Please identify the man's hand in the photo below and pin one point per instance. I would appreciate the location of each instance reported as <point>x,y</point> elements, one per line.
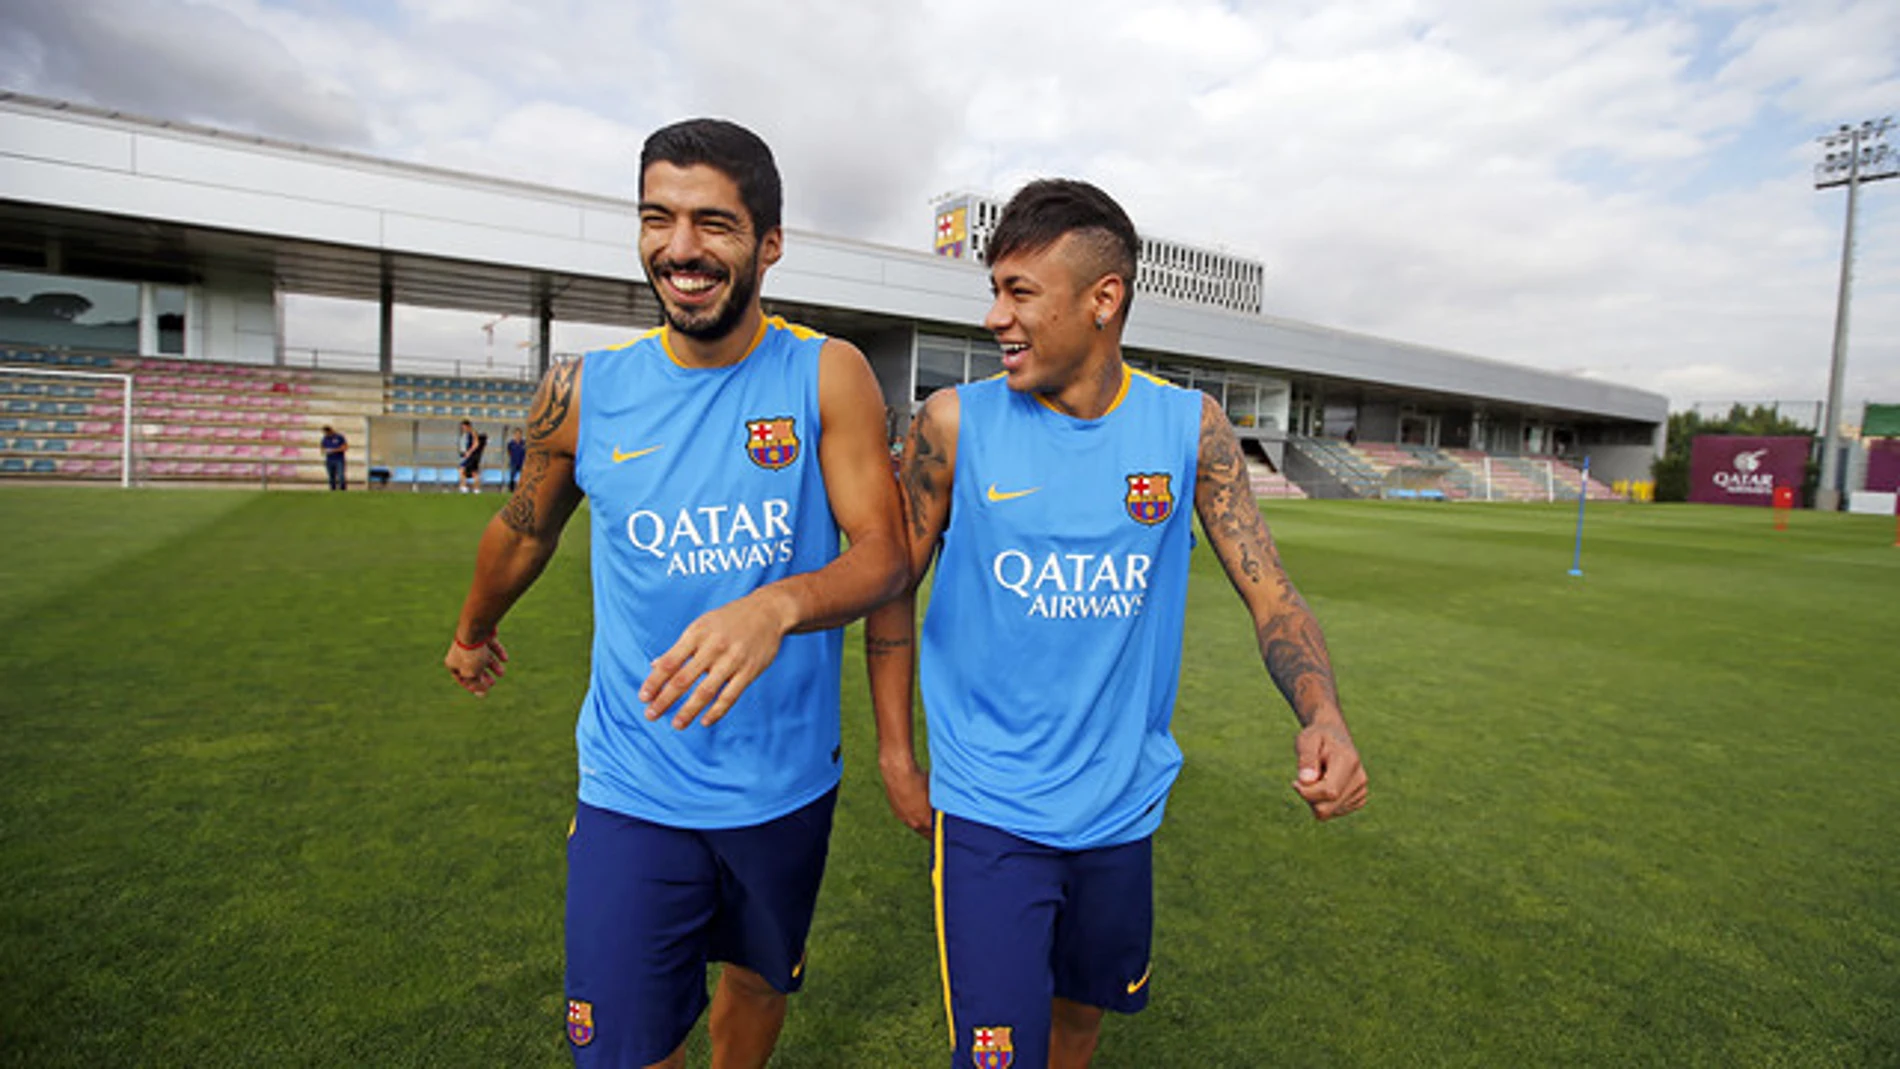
<point>907,788</point>
<point>1331,778</point>
<point>717,657</point>
<point>476,669</point>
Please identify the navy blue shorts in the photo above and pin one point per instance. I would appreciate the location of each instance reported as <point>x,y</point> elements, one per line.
<point>1020,923</point>
<point>649,905</point>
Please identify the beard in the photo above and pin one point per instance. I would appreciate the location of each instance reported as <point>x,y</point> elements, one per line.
<point>710,324</point>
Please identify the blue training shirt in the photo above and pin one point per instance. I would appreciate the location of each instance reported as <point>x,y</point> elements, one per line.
<point>704,485</point>
<point>1052,644</point>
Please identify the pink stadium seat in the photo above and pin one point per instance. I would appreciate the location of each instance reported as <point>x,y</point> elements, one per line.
<point>105,467</point>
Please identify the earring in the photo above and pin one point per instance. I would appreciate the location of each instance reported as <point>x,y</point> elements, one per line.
<point>1100,322</point>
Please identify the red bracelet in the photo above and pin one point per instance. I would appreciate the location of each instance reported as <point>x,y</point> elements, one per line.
<point>460,645</point>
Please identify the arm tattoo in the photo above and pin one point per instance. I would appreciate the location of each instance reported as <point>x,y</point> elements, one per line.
<point>1225,495</point>
<point>1290,641</point>
<point>555,400</point>
<point>925,471</point>
<point>520,514</point>
<point>553,404</point>
<point>1295,653</point>
<point>879,647</point>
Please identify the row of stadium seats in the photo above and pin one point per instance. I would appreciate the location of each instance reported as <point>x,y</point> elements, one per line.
<point>10,387</point>
<point>417,478</point>
<point>401,409</point>
<point>57,358</point>
<point>516,386</point>
<point>478,397</point>
<point>17,407</point>
<point>17,466</point>
<point>45,426</point>
<point>236,383</point>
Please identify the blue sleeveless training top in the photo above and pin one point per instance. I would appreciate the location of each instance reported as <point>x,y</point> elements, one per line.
<point>1052,644</point>
<point>704,485</point>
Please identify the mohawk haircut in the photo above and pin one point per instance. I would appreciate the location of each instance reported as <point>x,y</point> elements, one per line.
<point>1042,212</point>
<point>728,148</point>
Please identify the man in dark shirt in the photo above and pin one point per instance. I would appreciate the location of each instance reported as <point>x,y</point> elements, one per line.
<point>517,454</point>
<point>334,446</point>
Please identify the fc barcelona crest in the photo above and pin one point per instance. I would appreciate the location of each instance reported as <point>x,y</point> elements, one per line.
<point>580,1022</point>
<point>990,1048</point>
<point>1148,498</point>
<point>771,443</point>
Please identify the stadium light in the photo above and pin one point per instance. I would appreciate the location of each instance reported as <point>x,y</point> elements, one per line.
<point>1850,156</point>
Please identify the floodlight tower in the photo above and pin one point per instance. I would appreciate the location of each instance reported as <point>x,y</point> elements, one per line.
<point>1851,155</point>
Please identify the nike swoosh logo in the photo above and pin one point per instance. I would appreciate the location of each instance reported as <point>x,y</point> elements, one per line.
<point>619,456</point>
<point>1011,495</point>
<point>1143,982</point>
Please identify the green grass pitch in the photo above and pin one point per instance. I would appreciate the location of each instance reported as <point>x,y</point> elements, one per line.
<point>1642,817</point>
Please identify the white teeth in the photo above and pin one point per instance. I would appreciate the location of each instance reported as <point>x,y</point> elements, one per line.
<point>691,283</point>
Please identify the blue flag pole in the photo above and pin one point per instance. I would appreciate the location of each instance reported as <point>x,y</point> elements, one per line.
<point>1583,494</point>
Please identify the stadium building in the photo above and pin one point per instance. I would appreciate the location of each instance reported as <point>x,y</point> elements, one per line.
<point>144,263</point>
<point>1170,270</point>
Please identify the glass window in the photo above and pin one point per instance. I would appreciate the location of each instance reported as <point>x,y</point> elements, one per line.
<point>939,364</point>
<point>168,304</point>
<point>1240,404</point>
<point>986,360</point>
<point>59,311</point>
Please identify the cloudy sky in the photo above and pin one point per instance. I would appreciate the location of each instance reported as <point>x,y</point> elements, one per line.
<point>1615,189</point>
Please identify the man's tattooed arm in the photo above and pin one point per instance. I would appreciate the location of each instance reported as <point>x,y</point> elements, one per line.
<point>550,452</point>
<point>1290,640</point>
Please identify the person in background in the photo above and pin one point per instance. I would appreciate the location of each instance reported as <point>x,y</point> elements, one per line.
<point>468,448</point>
<point>517,454</point>
<point>334,447</point>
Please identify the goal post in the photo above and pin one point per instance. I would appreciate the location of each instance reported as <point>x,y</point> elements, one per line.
<point>124,379</point>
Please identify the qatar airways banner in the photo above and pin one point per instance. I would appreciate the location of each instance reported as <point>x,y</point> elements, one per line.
<point>1883,465</point>
<point>1743,470</point>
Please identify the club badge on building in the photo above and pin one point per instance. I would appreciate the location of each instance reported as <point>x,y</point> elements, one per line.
<point>580,1022</point>
<point>771,443</point>
<point>990,1048</point>
<point>1148,498</point>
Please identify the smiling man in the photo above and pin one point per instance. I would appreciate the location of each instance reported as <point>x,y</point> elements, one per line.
<point>1052,645</point>
<point>723,454</point>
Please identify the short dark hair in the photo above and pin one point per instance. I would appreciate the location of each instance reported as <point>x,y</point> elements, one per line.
<point>728,148</point>
<point>1044,210</point>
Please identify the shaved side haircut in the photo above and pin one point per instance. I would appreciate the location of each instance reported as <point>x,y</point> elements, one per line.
<point>1044,211</point>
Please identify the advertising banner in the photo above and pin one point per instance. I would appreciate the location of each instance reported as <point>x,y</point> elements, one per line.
<point>1883,465</point>
<point>1743,469</point>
